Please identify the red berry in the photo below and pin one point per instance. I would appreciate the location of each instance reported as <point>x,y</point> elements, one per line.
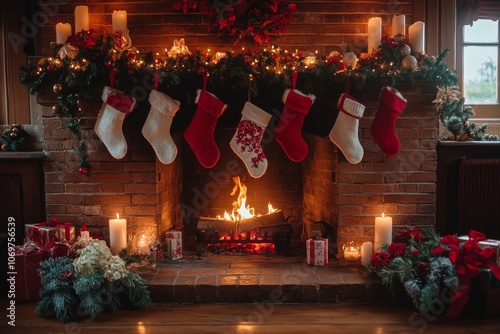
<point>83,170</point>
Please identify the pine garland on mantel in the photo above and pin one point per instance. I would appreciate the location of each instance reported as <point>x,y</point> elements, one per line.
<point>86,60</point>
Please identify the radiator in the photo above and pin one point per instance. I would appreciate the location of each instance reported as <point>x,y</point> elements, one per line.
<point>479,197</point>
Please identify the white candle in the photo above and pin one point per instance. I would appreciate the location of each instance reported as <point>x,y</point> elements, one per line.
<point>398,25</point>
<point>119,20</point>
<point>81,18</point>
<point>117,234</point>
<point>366,253</point>
<point>383,232</point>
<point>374,34</point>
<point>63,31</point>
<point>416,34</point>
<point>142,247</point>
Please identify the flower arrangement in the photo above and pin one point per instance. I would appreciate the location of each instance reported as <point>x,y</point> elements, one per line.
<point>433,270</point>
<point>239,18</point>
<point>93,282</point>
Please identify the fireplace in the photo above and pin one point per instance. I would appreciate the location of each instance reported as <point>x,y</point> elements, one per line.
<point>324,190</point>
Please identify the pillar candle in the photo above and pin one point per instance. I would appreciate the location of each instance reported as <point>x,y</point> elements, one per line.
<point>416,34</point>
<point>117,234</point>
<point>119,20</point>
<point>398,25</point>
<point>63,31</point>
<point>366,253</point>
<point>81,18</point>
<point>383,232</point>
<point>374,34</point>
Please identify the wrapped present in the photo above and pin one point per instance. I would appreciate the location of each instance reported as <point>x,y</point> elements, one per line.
<point>487,243</point>
<point>174,234</point>
<point>484,296</point>
<point>57,249</point>
<point>174,245</point>
<point>27,280</point>
<point>317,251</point>
<point>43,233</point>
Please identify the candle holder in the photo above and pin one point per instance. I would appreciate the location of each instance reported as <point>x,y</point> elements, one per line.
<point>352,251</point>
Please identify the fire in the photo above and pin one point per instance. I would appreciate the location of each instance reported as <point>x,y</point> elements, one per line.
<point>241,210</point>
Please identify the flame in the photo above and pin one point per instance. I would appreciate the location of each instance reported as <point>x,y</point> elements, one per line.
<point>241,210</point>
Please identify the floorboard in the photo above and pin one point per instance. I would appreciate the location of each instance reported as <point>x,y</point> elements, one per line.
<point>258,318</point>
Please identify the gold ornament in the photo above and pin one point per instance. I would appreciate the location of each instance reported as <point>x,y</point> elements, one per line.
<point>57,88</point>
<point>405,50</point>
<point>472,135</point>
<point>350,60</point>
<point>68,50</point>
<point>55,109</point>
<point>466,124</point>
<point>5,147</point>
<point>179,48</point>
<point>409,63</point>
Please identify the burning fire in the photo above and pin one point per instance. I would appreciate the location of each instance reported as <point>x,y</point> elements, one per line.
<point>240,210</point>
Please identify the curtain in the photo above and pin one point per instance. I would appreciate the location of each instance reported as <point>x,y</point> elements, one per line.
<point>471,10</point>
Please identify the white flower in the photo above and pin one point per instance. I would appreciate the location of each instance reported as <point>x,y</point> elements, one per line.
<point>115,269</point>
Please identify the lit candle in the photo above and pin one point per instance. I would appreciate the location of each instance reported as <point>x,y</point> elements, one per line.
<point>81,18</point>
<point>351,252</point>
<point>142,247</point>
<point>117,234</point>
<point>366,253</point>
<point>398,25</point>
<point>416,34</point>
<point>383,231</point>
<point>119,20</point>
<point>63,31</point>
<point>374,34</point>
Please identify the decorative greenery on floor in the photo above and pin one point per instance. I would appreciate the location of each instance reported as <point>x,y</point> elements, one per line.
<point>91,283</point>
<point>434,271</point>
<point>89,61</point>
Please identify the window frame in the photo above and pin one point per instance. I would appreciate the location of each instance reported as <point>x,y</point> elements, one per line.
<point>485,112</point>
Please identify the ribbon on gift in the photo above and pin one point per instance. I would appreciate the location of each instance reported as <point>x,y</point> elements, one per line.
<point>468,259</point>
<point>52,223</point>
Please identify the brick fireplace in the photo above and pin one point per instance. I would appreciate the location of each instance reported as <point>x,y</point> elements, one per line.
<point>323,188</point>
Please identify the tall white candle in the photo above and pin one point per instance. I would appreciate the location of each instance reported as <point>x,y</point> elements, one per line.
<point>117,234</point>
<point>383,232</point>
<point>366,253</point>
<point>119,20</point>
<point>416,34</point>
<point>398,25</point>
<point>374,34</point>
<point>81,18</point>
<point>63,31</point>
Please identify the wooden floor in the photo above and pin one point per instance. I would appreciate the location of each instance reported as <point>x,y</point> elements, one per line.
<point>253,318</point>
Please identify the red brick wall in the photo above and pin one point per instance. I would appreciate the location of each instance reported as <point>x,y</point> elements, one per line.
<point>148,193</point>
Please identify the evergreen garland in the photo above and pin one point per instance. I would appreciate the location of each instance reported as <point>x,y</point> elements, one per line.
<point>81,67</point>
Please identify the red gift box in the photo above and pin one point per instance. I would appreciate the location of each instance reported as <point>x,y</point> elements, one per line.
<point>43,233</point>
<point>27,280</point>
<point>317,251</point>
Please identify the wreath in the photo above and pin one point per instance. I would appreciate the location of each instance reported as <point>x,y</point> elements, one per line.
<point>239,18</point>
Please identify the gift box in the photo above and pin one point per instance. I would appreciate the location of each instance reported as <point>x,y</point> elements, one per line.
<point>43,233</point>
<point>27,281</point>
<point>487,243</point>
<point>174,245</point>
<point>484,296</point>
<point>317,251</point>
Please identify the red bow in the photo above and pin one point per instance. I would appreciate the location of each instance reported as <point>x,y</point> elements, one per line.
<point>467,259</point>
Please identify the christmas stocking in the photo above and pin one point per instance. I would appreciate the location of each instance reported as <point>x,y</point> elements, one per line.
<point>246,142</point>
<point>288,132</point>
<point>108,126</point>
<point>156,129</point>
<point>391,106</point>
<point>344,133</point>
<point>200,133</point>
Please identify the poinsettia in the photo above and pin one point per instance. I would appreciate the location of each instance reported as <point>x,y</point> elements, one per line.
<point>257,18</point>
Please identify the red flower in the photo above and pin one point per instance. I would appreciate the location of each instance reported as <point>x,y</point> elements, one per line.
<point>396,249</point>
<point>405,235</point>
<point>415,252</point>
<point>380,259</point>
<point>82,39</point>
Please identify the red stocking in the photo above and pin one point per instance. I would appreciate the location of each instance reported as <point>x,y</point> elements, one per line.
<point>288,132</point>
<point>391,106</point>
<point>200,133</point>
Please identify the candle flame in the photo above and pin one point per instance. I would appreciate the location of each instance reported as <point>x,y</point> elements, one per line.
<point>117,216</point>
<point>382,215</point>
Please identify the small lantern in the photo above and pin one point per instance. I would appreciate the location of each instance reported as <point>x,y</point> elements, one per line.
<point>350,60</point>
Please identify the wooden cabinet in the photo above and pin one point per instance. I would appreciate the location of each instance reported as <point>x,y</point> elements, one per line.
<point>21,184</point>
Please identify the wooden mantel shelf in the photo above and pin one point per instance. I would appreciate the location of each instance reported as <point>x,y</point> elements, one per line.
<point>21,155</point>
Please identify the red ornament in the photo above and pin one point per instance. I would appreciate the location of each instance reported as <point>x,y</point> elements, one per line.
<point>50,67</point>
<point>130,72</point>
<point>83,170</point>
<point>107,64</point>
